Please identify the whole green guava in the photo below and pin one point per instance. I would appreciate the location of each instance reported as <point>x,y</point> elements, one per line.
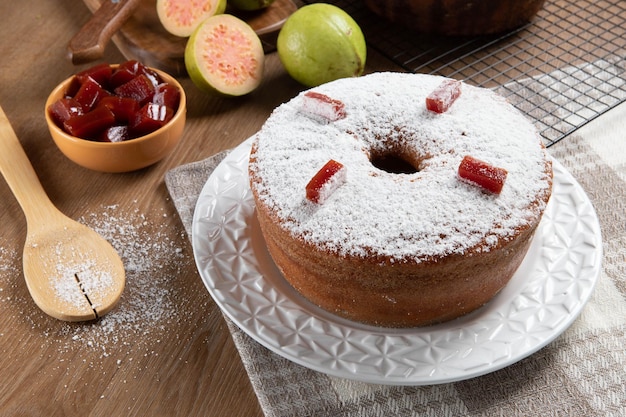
<point>320,43</point>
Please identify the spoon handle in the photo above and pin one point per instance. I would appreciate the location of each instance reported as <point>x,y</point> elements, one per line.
<point>21,177</point>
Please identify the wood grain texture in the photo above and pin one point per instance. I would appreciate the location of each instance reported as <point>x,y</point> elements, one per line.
<point>144,38</point>
<point>190,366</point>
<point>177,358</point>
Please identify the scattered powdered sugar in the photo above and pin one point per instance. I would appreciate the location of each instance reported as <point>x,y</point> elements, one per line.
<point>9,268</point>
<point>7,256</point>
<point>153,256</point>
<point>401,216</point>
<point>150,259</point>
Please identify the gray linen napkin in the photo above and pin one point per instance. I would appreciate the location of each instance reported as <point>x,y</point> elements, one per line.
<point>582,373</point>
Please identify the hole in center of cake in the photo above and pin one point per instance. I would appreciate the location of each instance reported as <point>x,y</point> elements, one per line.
<point>394,163</point>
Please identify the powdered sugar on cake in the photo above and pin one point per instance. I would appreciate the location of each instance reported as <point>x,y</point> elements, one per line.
<point>401,216</point>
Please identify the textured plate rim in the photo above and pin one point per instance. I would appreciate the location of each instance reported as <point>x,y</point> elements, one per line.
<point>243,281</point>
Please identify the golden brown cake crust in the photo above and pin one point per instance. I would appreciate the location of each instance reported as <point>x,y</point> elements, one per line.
<point>457,17</point>
<point>392,294</point>
<point>370,283</point>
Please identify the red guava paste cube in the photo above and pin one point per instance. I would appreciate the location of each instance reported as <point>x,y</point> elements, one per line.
<point>90,125</point>
<point>128,70</point>
<point>115,134</point>
<point>90,93</point>
<point>332,175</point>
<point>150,118</point>
<point>442,97</point>
<point>64,109</point>
<point>483,174</point>
<point>167,95</point>
<point>139,88</point>
<point>100,73</point>
<point>73,87</point>
<point>320,105</point>
<point>125,72</point>
<point>123,108</point>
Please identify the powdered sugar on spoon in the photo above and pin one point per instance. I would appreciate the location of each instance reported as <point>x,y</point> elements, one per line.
<point>72,273</point>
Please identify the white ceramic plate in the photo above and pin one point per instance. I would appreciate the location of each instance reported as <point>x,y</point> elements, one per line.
<point>543,298</point>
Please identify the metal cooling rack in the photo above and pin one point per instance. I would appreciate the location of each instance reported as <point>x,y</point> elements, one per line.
<point>564,69</point>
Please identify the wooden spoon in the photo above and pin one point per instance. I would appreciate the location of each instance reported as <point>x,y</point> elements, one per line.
<point>72,273</point>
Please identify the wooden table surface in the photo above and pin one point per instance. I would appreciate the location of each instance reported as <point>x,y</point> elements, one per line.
<point>166,349</point>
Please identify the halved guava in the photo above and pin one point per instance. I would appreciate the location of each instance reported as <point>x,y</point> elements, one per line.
<point>224,55</point>
<point>182,17</point>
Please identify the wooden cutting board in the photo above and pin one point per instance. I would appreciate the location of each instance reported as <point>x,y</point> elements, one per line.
<point>142,37</point>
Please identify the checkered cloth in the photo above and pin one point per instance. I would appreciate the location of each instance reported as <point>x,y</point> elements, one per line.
<point>581,373</point>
